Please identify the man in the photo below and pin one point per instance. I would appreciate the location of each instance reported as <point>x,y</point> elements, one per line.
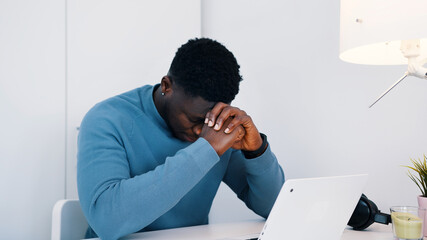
<point>154,157</point>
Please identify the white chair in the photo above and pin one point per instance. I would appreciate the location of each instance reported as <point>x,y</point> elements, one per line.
<point>68,221</point>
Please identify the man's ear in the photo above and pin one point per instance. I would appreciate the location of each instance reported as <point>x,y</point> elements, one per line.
<point>166,85</point>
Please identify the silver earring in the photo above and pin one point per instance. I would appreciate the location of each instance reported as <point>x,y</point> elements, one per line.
<point>163,93</point>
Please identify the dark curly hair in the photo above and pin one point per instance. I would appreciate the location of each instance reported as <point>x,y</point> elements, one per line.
<point>204,67</point>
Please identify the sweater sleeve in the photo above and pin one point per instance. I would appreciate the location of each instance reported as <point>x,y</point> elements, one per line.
<point>116,204</point>
<point>256,181</point>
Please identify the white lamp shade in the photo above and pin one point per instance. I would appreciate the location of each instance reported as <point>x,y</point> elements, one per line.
<point>371,30</point>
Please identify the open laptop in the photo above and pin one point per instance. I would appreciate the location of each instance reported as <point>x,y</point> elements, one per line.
<point>313,208</point>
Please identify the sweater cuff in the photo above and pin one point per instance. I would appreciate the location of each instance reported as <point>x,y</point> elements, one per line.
<point>261,164</point>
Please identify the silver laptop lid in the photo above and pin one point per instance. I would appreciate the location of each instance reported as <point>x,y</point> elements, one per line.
<point>314,208</point>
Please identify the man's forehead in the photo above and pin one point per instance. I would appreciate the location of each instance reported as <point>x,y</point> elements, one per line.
<point>198,106</point>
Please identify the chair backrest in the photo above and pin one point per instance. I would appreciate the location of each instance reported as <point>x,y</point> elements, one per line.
<point>68,221</point>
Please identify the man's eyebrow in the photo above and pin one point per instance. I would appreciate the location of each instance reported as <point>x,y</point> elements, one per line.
<point>195,117</point>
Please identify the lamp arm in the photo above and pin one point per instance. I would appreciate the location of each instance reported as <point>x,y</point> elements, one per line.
<point>411,50</point>
<point>416,68</point>
<point>390,88</point>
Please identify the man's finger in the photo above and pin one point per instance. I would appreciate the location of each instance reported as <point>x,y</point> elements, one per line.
<point>226,113</point>
<point>212,114</point>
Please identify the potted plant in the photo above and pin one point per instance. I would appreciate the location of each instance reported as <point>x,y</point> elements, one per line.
<point>420,178</point>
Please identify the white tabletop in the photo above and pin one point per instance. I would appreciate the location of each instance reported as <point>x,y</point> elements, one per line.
<point>250,228</point>
<point>375,231</point>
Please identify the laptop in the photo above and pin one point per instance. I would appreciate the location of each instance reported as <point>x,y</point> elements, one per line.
<point>313,208</point>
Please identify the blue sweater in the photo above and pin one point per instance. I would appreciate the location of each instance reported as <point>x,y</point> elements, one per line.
<point>133,175</point>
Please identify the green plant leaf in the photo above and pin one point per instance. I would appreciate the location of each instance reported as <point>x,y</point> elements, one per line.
<point>419,177</point>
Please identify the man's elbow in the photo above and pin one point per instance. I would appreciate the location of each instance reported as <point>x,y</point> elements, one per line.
<point>106,227</point>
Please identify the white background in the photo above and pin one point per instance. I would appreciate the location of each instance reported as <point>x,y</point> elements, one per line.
<point>32,116</point>
<point>312,106</point>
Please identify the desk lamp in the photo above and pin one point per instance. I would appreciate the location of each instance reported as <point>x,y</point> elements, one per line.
<point>385,32</point>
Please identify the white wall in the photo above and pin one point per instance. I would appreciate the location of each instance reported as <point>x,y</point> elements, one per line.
<point>313,106</point>
<point>32,116</point>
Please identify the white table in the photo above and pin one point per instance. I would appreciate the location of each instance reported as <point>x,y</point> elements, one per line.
<point>249,228</point>
<point>375,231</point>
